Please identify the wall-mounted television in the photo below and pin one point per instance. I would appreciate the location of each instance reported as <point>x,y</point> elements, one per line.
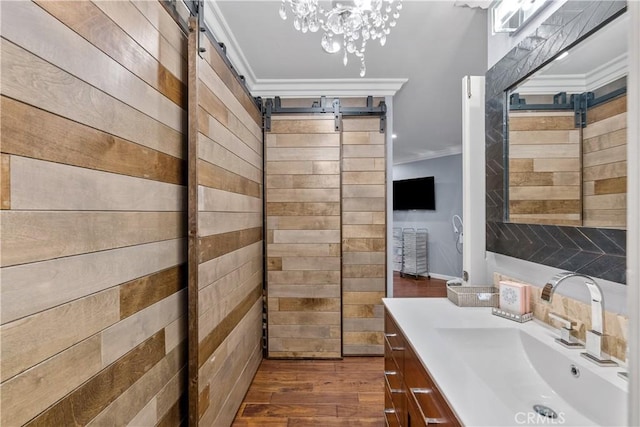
<point>417,193</point>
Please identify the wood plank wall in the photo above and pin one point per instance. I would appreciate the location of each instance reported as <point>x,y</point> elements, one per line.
<point>363,235</point>
<point>303,237</point>
<point>93,223</point>
<point>544,168</point>
<point>605,165</point>
<point>227,292</point>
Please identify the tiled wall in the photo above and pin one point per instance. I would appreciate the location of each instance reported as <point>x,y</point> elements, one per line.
<point>93,199</point>
<point>615,325</point>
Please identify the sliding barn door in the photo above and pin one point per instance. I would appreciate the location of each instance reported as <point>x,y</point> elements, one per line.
<point>225,237</point>
<point>92,193</point>
<point>604,162</point>
<point>544,168</point>
<point>303,237</point>
<point>363,235</point>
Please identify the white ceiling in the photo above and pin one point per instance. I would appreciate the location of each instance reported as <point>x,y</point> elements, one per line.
<point>434,45</point>
<point>596,61</point>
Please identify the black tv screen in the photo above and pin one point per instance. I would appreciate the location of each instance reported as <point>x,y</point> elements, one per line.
<point>417,193</point>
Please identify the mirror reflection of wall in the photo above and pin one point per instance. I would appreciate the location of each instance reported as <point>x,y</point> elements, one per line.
<point>567,137</point>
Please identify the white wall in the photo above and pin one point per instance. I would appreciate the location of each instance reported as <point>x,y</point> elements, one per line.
<point>389,101</point>
<point>473,177</point>
<point>633,214</point>
<point>444,259</point>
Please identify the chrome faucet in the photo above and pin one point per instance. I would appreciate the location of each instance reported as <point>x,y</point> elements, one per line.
<point>594,336</point>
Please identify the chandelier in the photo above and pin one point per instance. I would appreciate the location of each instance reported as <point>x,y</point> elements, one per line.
<point>354,22</point>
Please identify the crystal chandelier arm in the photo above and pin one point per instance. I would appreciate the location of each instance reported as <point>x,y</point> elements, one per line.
<point>356,22</point>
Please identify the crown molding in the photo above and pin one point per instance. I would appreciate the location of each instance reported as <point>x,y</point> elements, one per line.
<point>291,88</point>
<point>306,88</point>
<point>552,84</point>
<point>577,83</point>
<point>220,29</point>
<point>608,72</point>
<point>450,151</point>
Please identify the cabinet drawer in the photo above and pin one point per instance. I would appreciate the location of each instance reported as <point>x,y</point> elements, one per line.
<point>392,413</point>
<point>395,344</point>
<point>426,404</point>
<point>393,380</point>
<point>391,418</point>
<point>396,396</point>
<point>393,357</point>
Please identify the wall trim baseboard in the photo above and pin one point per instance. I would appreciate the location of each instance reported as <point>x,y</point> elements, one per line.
<point>434,275</point>
<point>440,276</point>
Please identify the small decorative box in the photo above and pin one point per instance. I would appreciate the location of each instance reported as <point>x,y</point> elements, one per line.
<point>515,297</point>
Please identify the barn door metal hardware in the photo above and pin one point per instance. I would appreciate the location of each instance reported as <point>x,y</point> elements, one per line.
<point>204,33</point>
<point>322,106</point>
<point>559,103</point>
<point>579,103</point>
<point>588,100</point>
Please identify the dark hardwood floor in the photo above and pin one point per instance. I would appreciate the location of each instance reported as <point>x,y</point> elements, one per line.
<point>408,286</point>
<point>325,393</point>
<point>318,393</point>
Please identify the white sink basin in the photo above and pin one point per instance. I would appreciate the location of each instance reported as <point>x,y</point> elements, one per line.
<point>522,371</point>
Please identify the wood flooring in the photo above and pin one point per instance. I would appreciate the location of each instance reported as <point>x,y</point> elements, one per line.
<point>327,393</point>
<point>404,287</point>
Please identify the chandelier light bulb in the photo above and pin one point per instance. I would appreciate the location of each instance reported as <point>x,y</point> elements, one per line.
<point>354,22</point>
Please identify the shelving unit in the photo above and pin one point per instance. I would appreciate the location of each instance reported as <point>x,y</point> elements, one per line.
<point>397,249</point>
<point>415,259</point>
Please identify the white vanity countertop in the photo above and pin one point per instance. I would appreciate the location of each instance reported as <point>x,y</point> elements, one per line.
<point>472,399</point>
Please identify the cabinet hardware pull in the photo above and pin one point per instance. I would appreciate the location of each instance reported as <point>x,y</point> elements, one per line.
<point>392,347</point>
<point>390,373</point>
<point>427,419</point>
<point>391,389</point>
<point>389,411</point>
<point>390,335</point>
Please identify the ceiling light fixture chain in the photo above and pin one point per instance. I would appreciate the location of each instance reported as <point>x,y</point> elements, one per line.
<point>356,21</point>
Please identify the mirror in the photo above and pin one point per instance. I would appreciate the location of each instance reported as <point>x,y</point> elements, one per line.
<point>567,136</point>
<point>597,251</point>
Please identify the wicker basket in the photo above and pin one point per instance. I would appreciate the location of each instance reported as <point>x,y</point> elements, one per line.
<point>474,296</point>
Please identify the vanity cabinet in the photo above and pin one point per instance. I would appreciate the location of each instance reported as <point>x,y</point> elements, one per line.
<point>411,396</point>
